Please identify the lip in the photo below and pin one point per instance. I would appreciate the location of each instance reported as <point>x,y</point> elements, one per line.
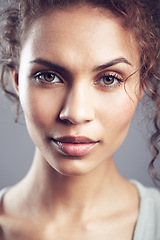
<point>74,146</point>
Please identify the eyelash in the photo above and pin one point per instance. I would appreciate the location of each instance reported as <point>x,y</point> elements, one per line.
<point>40,78</point>
<point>110,77</point>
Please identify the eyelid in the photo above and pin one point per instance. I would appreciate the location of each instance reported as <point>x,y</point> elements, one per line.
<point>43,72</point>
<point>114,72</point>
<point>120,79</point>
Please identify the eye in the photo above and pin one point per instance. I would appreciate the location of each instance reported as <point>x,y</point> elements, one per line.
<point>47,77</point>
<point>110,80</point>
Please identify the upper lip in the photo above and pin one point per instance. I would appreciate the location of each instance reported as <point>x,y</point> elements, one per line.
<point>74,140</point>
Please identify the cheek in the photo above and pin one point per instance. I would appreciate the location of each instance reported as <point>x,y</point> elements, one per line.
<point>124,111</point>
<point>116,115</point>
<point>41,106</point>
<point>123,116</point>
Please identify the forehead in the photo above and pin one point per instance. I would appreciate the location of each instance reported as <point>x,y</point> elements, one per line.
<point>83,31</point>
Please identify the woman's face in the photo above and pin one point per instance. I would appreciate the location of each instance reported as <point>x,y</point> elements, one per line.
<point>71,86</point>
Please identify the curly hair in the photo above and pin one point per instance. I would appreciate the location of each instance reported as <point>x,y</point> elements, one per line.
<point>140,16</point>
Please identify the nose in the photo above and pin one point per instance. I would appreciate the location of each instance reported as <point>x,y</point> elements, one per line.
<point>78,106</point>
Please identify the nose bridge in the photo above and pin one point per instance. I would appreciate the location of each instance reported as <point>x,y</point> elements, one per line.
<point>78,105</point>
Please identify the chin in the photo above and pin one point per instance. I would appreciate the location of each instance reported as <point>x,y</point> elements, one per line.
<point>72,168</point>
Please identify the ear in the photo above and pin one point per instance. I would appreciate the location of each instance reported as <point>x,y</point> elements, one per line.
<point>15,80</point>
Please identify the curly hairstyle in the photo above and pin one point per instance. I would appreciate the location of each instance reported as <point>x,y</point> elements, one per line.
<point>140,16</point>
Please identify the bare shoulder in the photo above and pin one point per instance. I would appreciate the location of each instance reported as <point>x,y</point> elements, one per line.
<point>2,227</point>
<point>1,232</point>
<point>1,221</point>
<point>14,225</point>
<point>5,223</point>
<point>13,228</point>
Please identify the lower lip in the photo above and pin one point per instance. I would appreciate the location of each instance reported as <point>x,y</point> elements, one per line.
<point>77,149</point>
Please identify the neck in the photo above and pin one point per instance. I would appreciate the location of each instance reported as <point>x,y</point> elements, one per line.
<point>53,190</point>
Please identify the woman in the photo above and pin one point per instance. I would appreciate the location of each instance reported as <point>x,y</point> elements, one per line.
<point>79,68</point>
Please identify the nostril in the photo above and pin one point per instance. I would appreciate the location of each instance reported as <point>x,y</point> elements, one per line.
<point>67,121</point>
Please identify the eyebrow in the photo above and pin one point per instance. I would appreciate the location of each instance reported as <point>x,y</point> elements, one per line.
<point>95,69</point>
<point>49,65</point>
<point>112,63</point>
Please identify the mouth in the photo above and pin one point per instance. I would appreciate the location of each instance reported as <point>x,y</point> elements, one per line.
<point>74,146</point>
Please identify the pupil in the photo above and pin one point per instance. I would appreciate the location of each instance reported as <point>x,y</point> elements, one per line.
<point>49,77</point>
<point>109,80</point>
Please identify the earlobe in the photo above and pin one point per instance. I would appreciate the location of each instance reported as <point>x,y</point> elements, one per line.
<point>15,80</point>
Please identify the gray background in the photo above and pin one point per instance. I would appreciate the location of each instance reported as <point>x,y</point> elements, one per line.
<point>16,148</point>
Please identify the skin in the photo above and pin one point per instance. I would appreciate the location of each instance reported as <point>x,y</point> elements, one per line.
<point>75,197</point>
